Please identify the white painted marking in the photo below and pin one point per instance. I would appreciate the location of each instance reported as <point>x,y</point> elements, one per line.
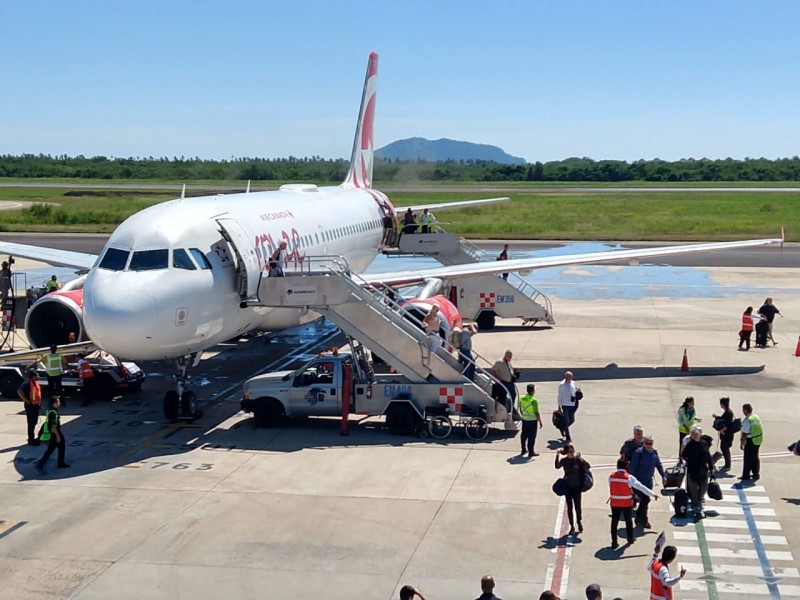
<point>750,499</point>
<point>731,524</point>
<point>727,487</point>
<point>737,510</point>
<point>735,553</point>
<point>745,570</point>
<point>732,538</point>
<point>726,587</point>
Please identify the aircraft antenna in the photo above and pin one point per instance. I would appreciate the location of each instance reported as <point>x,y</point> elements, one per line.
<point>248,187</point>
<point>183,192</point>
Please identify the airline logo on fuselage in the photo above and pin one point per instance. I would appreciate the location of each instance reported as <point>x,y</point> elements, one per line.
<point>265,245</point>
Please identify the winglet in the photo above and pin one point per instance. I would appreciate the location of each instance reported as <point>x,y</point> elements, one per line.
<point>360,173</point>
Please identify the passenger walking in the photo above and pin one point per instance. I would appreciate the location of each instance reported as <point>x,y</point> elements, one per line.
<point>487,589</point>
<point>594,592</point>
<point>621,485</point>
<point>644,464</point>
<point>507,374</point>
<point>504,256</point>
<point>465,350</point>
<point>687,417</point>
<point>751,438</point>
<point>768,310</point>
<point>724,425</point>
<point>432,324</point>
<point>699,467</point>
<point>529,408</point>
<point>661,583</point>
<point>747,328</point>
<point>31,395</point>
<point>574,467</point>
<point>86,373</point>
<point>409,222</point>
<point>277,262</point>
<point>408,592</point>
<point>567,401</point>
<point>51,433</point>
<point>632,444</point>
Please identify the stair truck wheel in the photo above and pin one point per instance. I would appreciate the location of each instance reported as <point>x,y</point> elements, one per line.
<point>476,428</point>
<point>401,419</point>
<point>440,427</point>
<point>268,412</point>
<point>171,405</point>
<point>486,320</point>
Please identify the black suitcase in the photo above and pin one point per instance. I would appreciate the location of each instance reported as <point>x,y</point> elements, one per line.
<point>675,476</point>
<point>762,329</point>
<point>680,502</point>
<point>559,421</point>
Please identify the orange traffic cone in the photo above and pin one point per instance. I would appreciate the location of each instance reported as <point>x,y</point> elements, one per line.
<point>797,351</point>
<point>685,363</point>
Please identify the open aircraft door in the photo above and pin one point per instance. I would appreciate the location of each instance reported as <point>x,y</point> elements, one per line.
<point>247,268</point>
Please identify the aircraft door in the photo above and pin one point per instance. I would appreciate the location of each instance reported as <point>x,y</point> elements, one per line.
<point>247,268</point>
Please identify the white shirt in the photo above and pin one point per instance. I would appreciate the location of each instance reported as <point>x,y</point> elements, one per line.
<point>566,393</point>
<point>663,574</point>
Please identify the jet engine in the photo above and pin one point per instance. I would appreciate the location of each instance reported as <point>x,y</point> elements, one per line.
<point>53,317</point>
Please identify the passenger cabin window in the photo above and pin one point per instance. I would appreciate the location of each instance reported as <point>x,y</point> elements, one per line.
<point>150,260</point>
<point>115,259</point>
<point>200,258</point>
<point>181,260</point>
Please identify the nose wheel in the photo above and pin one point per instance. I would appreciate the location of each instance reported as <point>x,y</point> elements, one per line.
<point>181,404</point>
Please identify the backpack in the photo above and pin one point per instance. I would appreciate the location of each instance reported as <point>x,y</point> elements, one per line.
<point>736,425</point>
<point>588,478</point>
<point>680,502</point>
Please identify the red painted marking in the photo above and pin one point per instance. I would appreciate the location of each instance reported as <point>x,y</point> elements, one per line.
<point>558,572</point>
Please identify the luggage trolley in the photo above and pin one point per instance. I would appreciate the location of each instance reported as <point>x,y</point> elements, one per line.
<point>439,422</point>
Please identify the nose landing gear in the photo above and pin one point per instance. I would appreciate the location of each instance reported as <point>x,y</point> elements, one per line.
<point>181,404</point>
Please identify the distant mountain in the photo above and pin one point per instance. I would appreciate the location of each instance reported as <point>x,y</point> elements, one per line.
<point>442,150</point>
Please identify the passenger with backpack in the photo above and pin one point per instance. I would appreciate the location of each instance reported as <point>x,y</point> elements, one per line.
<point>644,464</point>
<point>575,469</point>
<point>728,426</point>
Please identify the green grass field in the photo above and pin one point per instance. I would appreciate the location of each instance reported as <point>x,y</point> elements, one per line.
<point>568,215</point>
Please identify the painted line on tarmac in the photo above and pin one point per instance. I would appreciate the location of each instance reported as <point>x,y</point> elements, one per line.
<point>8,527</point>
<point>708,569</point>
<point>758,544</point>
<point>557,577</point>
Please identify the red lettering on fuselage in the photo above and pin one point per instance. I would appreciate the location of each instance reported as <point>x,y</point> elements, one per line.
<point>266,245</point>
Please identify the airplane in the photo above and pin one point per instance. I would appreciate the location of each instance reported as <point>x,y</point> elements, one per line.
<point>180,277</point>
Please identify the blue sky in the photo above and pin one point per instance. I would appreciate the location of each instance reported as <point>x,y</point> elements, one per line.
<point>542,80</point>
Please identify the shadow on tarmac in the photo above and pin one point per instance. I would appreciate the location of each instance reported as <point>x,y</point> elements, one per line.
<point>614,371</point>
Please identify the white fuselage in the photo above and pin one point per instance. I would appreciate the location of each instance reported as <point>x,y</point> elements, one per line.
<point>156,304</point>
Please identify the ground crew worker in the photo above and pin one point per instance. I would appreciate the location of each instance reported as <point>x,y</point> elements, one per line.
<point>52,284</point>
<point>31,395</point>
<point>51,433</point>
<point>54,365</point>
<point>687,417</point>
<point>427,219</point>
<point>752,436</point>
<point>661,583</point>
<point>621,485</point>
<point>86,373</point>
<point>529,407</point>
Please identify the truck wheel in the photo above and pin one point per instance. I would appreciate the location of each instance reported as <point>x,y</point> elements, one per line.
<point>104,388</point>
<point>476,428</point>
<point>171,405</point>
<point>486,320</point>
<point>9,385</point>
<point>401,420</point>
<point>268,413</point>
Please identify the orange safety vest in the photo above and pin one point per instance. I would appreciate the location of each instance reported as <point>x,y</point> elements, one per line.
<point>747,322</point>
<point>658,591</point>
<point>85,369</point>
<point>620,489</point>
<point>35,394</point>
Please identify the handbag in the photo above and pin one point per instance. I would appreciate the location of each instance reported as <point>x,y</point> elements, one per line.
<point>560,487</point>
<point>577,399</point>
<point>587,479</point>
<point>714,491</point>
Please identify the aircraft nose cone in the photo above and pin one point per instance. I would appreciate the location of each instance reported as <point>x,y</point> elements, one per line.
<point>120,318</point>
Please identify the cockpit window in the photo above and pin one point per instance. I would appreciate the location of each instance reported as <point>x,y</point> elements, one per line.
<point>114,259</point>
<point>149,260</point>
<point>181,260</point>
<point>200,258</point>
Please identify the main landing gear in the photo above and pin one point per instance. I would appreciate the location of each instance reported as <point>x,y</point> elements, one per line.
<point>181,404</point>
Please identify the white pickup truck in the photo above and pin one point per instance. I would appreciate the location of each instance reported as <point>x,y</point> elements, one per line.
<point>316,389</point>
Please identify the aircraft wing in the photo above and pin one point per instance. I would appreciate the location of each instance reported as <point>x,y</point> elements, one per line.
<point>446,205</point>
<point>526,264</point>
<point>53,256</point>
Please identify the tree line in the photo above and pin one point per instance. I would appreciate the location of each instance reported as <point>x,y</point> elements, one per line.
<point>316,169</point>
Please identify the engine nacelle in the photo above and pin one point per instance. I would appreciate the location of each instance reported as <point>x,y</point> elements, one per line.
<point>53,317</point>
<point>451,317</point>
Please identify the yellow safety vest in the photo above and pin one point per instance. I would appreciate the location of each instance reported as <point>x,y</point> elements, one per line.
<point>46,434</point>
<point>52,365</point>
<point>756,431</point>
<point>528,407</point>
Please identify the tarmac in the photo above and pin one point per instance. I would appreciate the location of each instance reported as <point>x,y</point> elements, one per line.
<point>219,509</point>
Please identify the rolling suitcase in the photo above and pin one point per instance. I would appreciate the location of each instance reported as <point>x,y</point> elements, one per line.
<point>675,476</point>
<point>680,502</point>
